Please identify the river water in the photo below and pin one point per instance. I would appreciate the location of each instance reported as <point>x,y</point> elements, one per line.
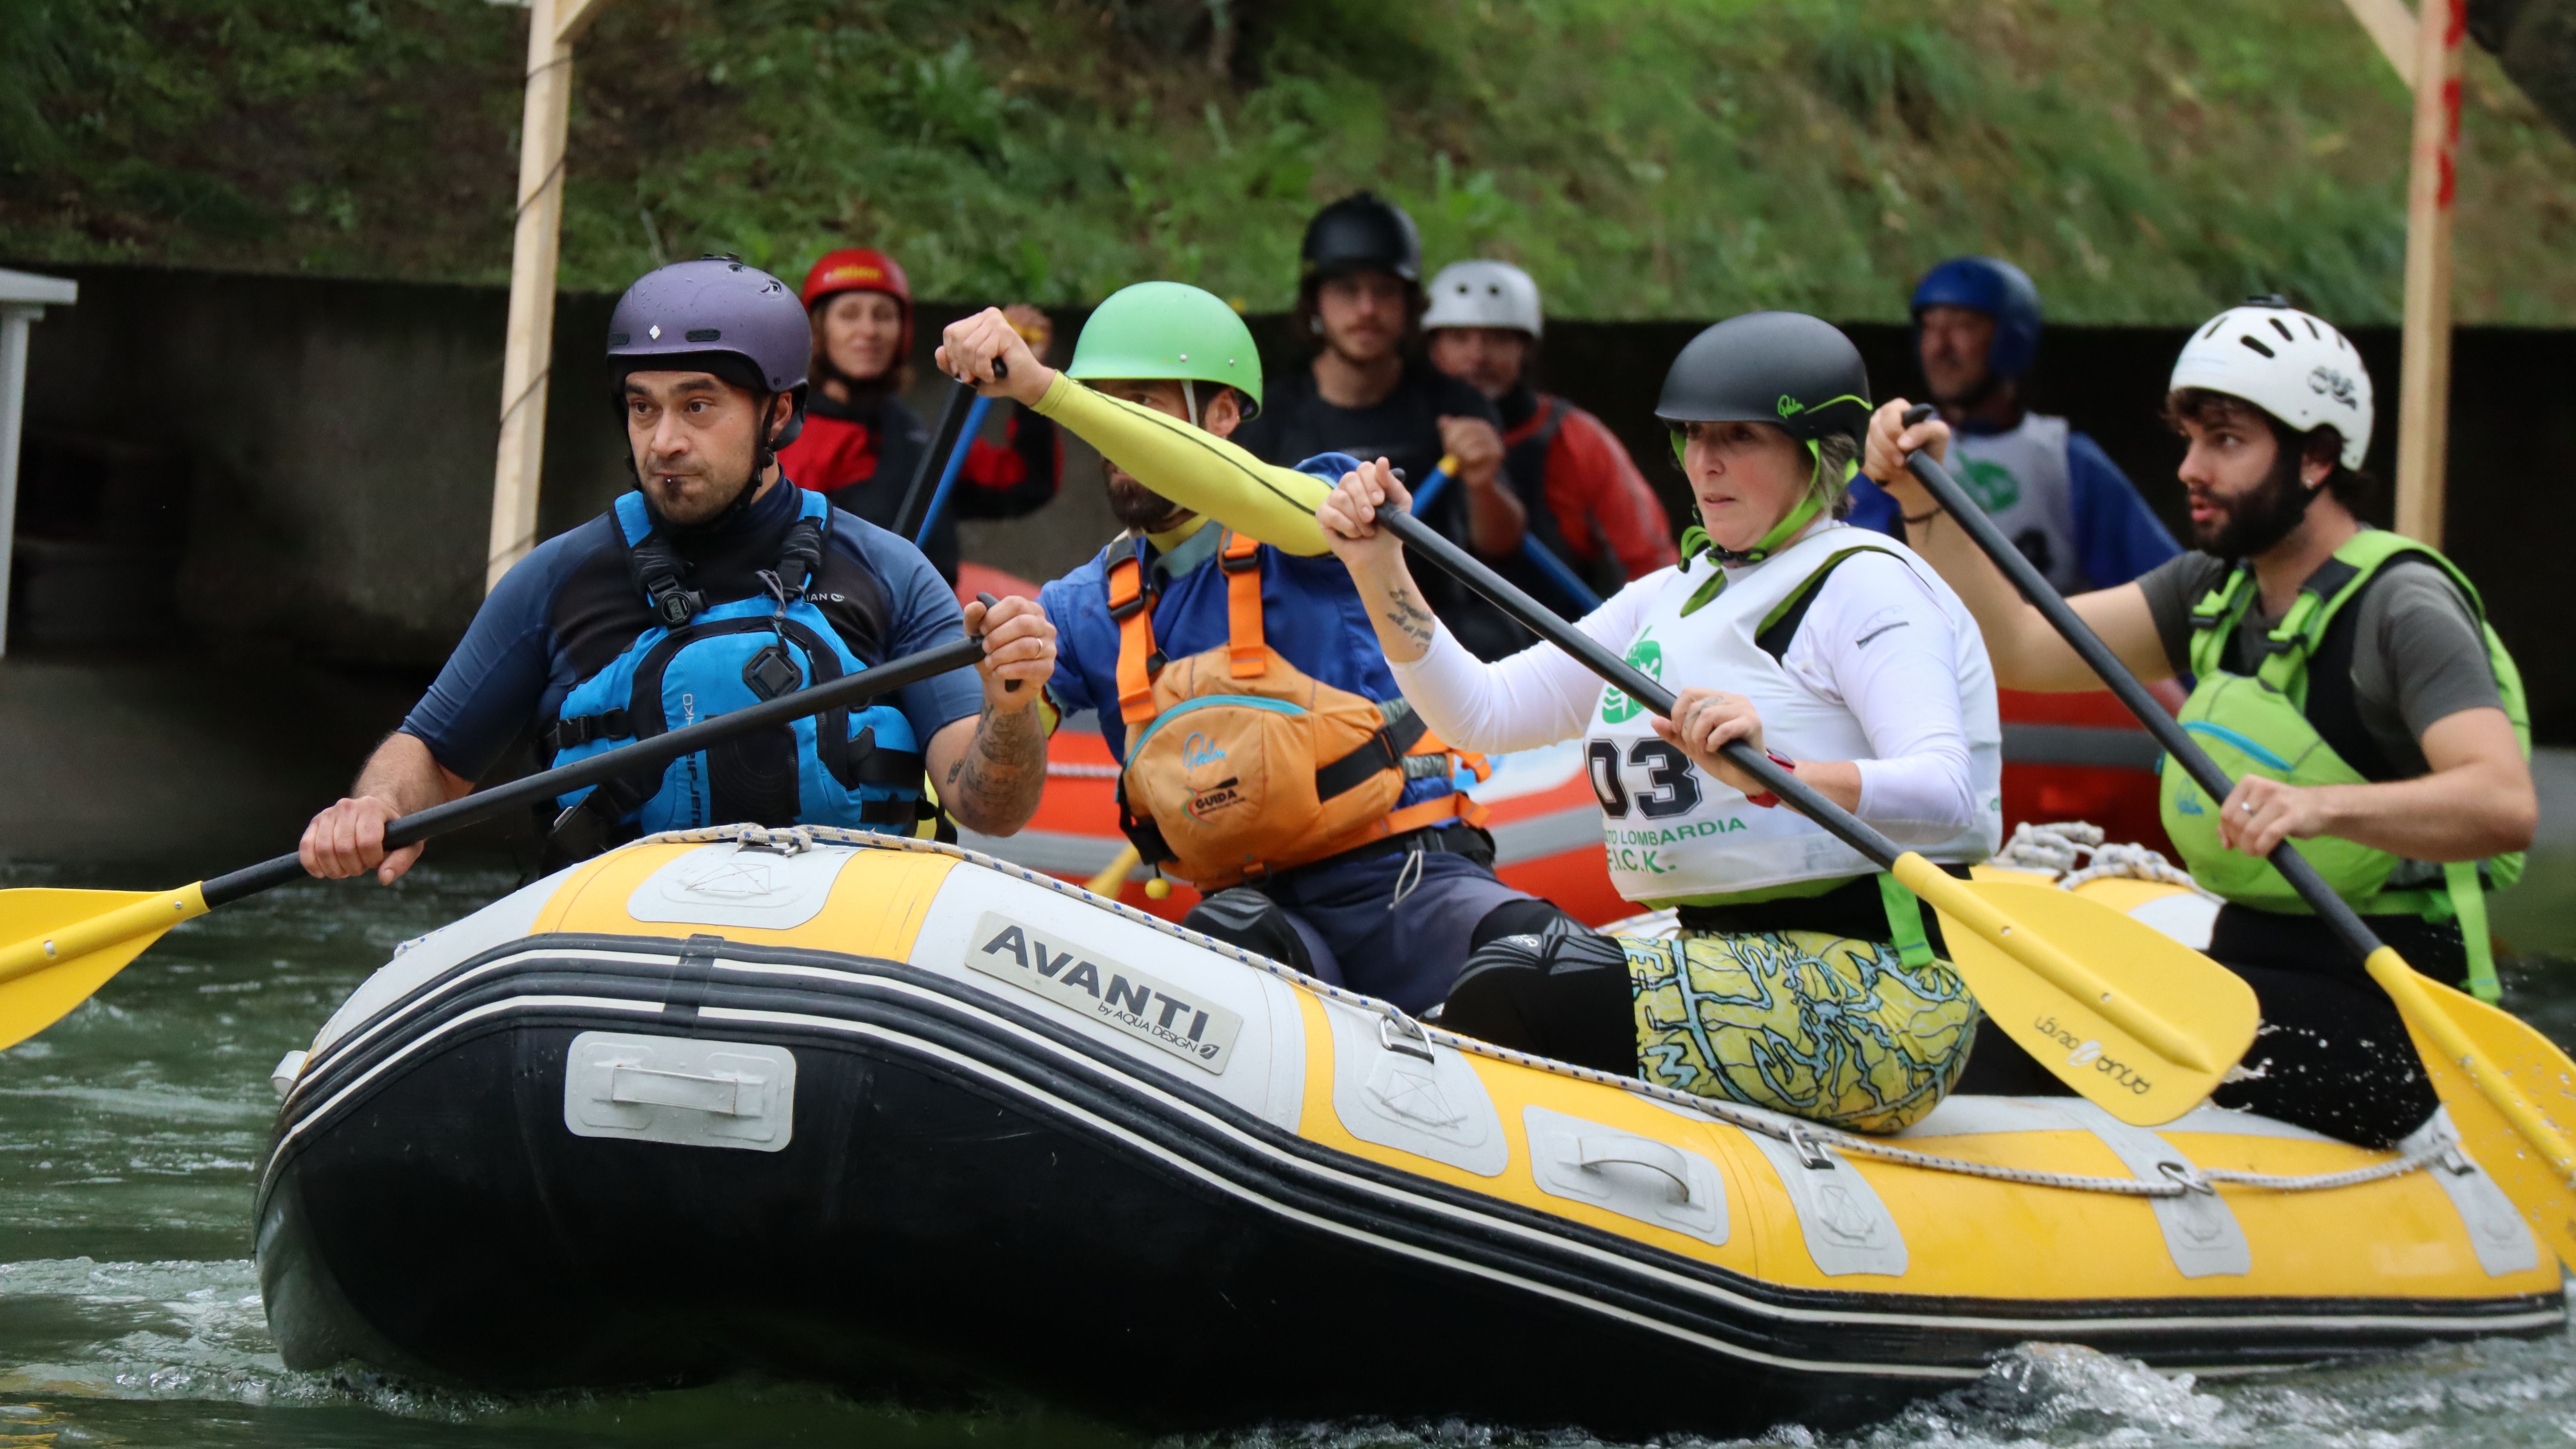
<point>130,1312</point>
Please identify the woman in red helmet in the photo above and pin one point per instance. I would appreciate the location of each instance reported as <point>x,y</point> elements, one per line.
<point>862,442</point>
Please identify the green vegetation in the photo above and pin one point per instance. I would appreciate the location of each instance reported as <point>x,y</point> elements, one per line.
<point>2146,161</point>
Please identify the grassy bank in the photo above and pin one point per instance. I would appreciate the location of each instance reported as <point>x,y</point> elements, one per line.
<point>2147,162</point>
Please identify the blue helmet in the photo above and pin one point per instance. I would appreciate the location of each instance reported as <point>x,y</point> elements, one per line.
<point>2001,291</point>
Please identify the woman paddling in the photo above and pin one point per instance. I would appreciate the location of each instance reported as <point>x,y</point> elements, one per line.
<point>1804,980</point>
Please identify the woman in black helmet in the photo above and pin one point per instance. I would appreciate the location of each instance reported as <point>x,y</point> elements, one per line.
<point>1802,979</point>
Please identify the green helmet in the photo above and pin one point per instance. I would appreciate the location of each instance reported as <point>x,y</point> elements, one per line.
<point>1169,331</point>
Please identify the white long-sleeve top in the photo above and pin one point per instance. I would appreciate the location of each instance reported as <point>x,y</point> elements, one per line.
<point>1877,641</point>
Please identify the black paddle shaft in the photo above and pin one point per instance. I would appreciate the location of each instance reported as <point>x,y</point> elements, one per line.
<point>544,785</point>
<point>1547,624</point>
<point>943,441</point>
<point>2098,657</point>
<point>952,421</point>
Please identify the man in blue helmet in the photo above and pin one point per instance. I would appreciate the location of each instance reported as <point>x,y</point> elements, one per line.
<point>716,584</point>
<point>2052,490</point>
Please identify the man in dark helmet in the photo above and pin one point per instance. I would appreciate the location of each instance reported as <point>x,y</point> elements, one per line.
<point>717,583</point>
<point>1368,393</point>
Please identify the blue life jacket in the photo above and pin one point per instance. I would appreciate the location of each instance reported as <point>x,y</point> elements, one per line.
<point>856,768</point>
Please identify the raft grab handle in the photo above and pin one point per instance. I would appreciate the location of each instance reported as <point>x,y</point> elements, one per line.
<point>1592,1153</point>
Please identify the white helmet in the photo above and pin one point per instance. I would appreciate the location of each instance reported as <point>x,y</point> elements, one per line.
<point>1483,294</point>
<point>2289,364</point>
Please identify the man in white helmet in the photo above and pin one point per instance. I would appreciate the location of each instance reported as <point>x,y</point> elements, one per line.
<point>1585,500</point>
<point>2345,677</point>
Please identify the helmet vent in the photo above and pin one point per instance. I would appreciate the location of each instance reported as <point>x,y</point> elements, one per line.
<point>618,339</point>
<point>2250,340</point>
<point>705,334</point>
<point>2213,327</point>
<point>2286,334</point>
<point>2312,328</point>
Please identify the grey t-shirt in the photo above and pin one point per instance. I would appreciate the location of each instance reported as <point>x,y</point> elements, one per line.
<point>2418,654</point>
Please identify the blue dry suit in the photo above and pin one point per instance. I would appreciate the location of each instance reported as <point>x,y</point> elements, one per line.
<point>623,629</point>
<point>1344,910</point>
<point>2054,493</point>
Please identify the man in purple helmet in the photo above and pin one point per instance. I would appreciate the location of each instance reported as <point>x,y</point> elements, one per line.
<point>716,584</point>
<point>2052,490</point>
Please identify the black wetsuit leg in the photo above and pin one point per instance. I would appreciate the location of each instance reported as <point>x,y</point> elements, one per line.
<point>2333,1055</point>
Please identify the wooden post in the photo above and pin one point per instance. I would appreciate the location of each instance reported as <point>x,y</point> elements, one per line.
<point>2424,370</point>
<point>530,348</point>
<point>553,26</point>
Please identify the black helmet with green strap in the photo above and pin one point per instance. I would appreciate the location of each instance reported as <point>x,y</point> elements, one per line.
<point>1795,372</point>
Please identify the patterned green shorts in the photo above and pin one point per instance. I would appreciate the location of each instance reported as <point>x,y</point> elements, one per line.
<point>1834,1030</point>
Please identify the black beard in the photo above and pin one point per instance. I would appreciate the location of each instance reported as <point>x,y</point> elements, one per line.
<point>2262,518</point>
<point>1140,507</point>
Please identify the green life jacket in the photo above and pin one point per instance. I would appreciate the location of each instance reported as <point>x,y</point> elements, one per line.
<point>2266,724</point>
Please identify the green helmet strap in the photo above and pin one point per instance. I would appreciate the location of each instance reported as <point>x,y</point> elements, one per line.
<point>1695,539</point>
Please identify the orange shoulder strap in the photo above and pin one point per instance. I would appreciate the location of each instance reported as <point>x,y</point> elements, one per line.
<point>1135,618</point>
<point>1246,648</point>
<point>1453,806</point>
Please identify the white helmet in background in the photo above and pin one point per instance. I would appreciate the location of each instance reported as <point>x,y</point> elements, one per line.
<point>2296,367</point>
<point>1483,294</point>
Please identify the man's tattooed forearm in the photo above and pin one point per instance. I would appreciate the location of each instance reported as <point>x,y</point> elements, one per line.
<point>1004,768</point>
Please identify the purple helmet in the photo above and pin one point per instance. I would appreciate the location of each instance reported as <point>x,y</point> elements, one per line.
<point>718,315</point>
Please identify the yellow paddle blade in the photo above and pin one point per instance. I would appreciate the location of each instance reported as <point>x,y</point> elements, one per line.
<point>2510,1090</point>
<point>2133,1020</point>
<point>61,946</point>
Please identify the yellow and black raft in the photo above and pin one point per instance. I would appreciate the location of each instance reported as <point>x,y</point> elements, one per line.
<point>899,1117</point>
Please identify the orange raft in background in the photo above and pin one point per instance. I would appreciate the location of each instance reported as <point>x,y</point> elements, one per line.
<point>2066,757</point>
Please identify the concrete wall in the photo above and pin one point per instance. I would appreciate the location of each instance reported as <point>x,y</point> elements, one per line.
<point>335,439</point>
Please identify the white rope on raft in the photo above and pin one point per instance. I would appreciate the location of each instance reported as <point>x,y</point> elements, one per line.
<point>2061,850</point>
<point>1806,1136</point>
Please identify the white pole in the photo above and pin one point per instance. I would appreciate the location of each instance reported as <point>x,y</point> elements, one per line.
<point>2424,369</point>
<point>14,320</point>
<point>533,257</point>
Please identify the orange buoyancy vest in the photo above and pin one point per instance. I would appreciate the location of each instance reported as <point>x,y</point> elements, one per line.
<point>1239,765</point>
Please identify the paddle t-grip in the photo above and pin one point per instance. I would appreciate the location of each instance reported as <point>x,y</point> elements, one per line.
<point>1009,686</point>
<point>2097,656</point>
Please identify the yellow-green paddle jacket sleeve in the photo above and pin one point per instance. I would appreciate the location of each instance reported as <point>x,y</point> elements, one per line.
<point>1197,470</point>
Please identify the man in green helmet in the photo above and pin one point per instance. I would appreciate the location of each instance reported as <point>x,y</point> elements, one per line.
<point>1267,756</point>
<point>2346,678</point>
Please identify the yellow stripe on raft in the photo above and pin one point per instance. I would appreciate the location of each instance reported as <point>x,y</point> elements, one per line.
<point>874,911</point>
<point>1956,1228</point>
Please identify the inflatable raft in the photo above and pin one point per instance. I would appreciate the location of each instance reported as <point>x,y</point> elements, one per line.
<point>898,1116</point>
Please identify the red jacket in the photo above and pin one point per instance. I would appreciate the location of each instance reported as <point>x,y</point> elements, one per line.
<point>1594,491</point>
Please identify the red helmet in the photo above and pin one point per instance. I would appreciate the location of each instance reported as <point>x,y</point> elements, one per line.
<point>861,269</point>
